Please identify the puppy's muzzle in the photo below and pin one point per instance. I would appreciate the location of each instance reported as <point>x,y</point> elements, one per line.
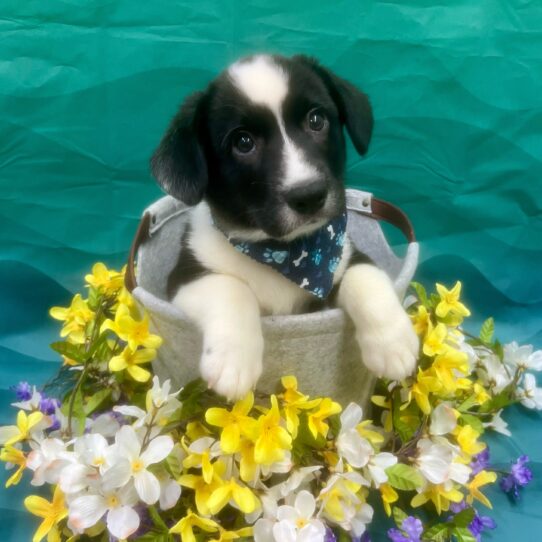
<point>307,198</point>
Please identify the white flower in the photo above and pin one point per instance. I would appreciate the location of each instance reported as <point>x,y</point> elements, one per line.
<point>443,420</point>
<point>437,465</point>
<point>350,444</point>
<point>130,461</point>
<point>522,356</point>
<point>498,424</point>
<point>159,396</point>
<point>31,404</point>
<point>378,463</point>
<point>296,523</point>
<point>530,395</point>
<point>133,412</point>
<point>92,456</point>
<point>47,461</point>
<point>493,373</point>
<point>170,491</point>
<point>105,424</point>
<point>122,520</point>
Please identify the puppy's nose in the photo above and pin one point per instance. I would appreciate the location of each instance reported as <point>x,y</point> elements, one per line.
<point>307,198</point>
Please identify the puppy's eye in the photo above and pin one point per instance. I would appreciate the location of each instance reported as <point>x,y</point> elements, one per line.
<point>243,142</point>
<point>317,120</point>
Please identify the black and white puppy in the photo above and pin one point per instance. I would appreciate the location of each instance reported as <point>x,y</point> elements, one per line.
<point>260,154</point>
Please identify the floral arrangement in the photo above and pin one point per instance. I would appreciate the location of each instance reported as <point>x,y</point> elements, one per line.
<point>125,457</point>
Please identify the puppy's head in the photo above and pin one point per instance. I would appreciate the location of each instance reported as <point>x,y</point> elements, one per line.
<point>264,145</point>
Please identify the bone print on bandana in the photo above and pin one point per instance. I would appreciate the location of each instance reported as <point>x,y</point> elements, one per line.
<point>309,261</point>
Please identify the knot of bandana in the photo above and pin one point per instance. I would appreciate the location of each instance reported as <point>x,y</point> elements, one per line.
<point>309,261</point>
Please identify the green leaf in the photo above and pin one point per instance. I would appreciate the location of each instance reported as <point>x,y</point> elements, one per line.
<point>72,351</point>
<point>487,331</point>
<point>398,516</point>
<point>174,465</point>
<point>94,298</point>
<point>420,292</point>
<point>406,422</point>
<point>464,518</point>
<point>474,422</point>
<point>463,534</point>
<point>96,400</point>
<point>501,400</point>
<point>404,477</point>
<point>467,403</point>
<point>157,520</point>
<point>437,533</point>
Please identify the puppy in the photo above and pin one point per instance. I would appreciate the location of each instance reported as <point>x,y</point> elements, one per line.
<point>260,154</point>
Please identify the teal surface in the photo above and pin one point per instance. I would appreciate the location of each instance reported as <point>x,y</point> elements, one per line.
<point>87,88</point>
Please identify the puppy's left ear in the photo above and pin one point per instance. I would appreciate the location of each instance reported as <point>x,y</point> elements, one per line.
<point>355,110</point>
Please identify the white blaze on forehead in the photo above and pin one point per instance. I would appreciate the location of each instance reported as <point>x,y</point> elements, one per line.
<point>266,83</point>
<point>261,80</point>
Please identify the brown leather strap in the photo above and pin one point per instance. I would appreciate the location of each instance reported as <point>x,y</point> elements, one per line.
<point>383,210</point>
<point>142,234</point>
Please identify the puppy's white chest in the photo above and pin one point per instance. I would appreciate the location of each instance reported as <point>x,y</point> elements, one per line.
<point>275,293</point>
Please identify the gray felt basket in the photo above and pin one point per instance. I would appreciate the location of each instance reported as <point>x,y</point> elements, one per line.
<point>319,348</point>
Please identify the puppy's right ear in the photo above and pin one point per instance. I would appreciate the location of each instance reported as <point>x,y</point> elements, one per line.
<point>179,164</point>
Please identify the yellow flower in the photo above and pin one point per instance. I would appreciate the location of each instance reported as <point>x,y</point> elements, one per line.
<point>12,455</point>
<point>481,394</point>
<point>202,489</point>
<point>295,401</point>
<point>233,535</point>
<point>424,385</point>
<point>196,430</point>
<point>446,364</point>
<point>130,360</point>
<point>234,423</point>
<point>387,418</point>
<point>11,434</point>
<point>185,526</point>
<point>440,495</point>
<point>481,479</point>
<point>434,341</point>
<point>248,468</point>
<point>340,493</point>
<point>374,437</point>
<point>200,460</point>
<point>389,496</point>
<point>273,440</point>
<point>450,301</point>
<point>51,512</point>
<point>466,438</point>
<point>421,320</point>
<point>125,298</point>
<point>134,332</point>
<point>242,496</point>
<point>108,280</point>
<point>75,318</point>
<point>326,408</point>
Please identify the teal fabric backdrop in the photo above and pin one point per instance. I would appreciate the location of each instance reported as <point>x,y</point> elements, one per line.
<point>87,88</point>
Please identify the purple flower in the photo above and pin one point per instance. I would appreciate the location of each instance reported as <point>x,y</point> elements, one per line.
<point>330,536</point>
<point>478,524</point>
<point>365,537</point>
<point>23,391</point>
<point>411,531</point>
<point>55,425</point>
<point>48,405</point>
<point>480,461</point>
<point>519,476</point>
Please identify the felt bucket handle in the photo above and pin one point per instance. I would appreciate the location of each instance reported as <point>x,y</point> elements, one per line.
<point>380,210</point>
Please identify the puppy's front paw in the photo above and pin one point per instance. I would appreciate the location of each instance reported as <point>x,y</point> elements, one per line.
<point>232,365</point>
<point>390,348</point>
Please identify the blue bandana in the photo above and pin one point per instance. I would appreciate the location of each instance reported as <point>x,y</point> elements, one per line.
<point>309,261</point>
